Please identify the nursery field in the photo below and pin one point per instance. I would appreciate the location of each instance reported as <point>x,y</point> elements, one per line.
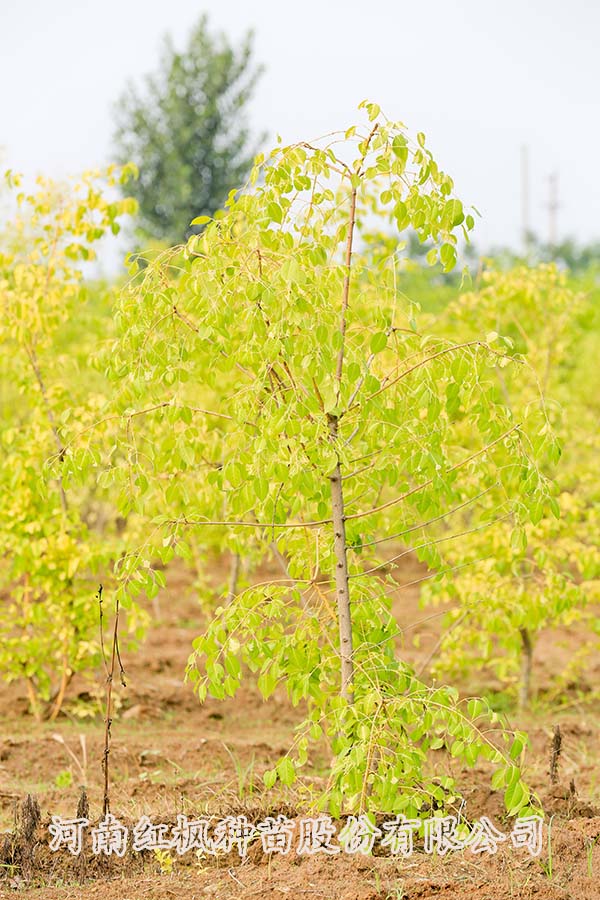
<point>300,579</point>
<point>170,754</point>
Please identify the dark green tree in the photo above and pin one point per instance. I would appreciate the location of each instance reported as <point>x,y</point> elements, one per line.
<point>186,130</point>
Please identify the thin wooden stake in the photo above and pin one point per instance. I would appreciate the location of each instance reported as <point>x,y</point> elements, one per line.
<point>110,671</point>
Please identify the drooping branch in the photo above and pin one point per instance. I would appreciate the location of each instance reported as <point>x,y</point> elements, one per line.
<point>318,523</point>
<point>423,362</point>
<point>429,482</point>
<point>387,563</point>
<point>133,415</point>
<point>432,521</point>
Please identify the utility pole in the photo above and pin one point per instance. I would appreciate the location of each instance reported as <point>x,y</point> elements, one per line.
<point>553,206</point>
<point>525,223</point>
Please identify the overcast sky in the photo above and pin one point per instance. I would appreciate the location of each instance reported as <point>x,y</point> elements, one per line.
<point>480,78</point>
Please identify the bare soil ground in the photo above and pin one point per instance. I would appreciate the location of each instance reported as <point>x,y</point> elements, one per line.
<point>171,755</point>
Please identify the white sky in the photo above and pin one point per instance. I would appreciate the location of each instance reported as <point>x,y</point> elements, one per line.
<point>480,78</point>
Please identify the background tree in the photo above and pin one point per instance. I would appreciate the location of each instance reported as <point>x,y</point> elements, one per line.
<point>53,553</point>
<point>187,133</point>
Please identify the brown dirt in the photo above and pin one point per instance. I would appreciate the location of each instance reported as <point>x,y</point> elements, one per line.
<point>170,755</point>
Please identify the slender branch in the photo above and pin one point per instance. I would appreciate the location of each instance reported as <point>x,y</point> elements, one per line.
<point>444,515</point>
<point>424,362</point>
<point>50,415</point>
<point>345,294</point>
<point>429,482</point>
<point>133,415</point>
<point>387,563</point>
<point>283,565</point>
<point>318,523</point>
<point>65,679</point>
<point>425,664</point>
<point>115,656</point>
<point>183,318</point>
<point>243,524</point>
<point>348,267</point>
<point>360,382</point>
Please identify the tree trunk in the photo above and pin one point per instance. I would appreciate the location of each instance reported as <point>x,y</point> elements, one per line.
<point>342,587</point>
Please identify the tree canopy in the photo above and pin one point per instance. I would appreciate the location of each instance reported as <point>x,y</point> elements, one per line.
<point>186,130</point>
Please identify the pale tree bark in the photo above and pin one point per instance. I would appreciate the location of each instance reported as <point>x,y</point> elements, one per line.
<point>342,586</point>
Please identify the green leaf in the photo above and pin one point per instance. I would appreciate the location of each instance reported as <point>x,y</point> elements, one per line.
<point>518,540</point>
<point>269,778</point>
<point>286,771</point>
<point>498,779</point>
<point>275,212</point>
<point>517,747</point>
<point>378,342</point>
<point>452,214</point>
<point>447,256</point>
<point>515,797</point>
<point>475,708</point>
